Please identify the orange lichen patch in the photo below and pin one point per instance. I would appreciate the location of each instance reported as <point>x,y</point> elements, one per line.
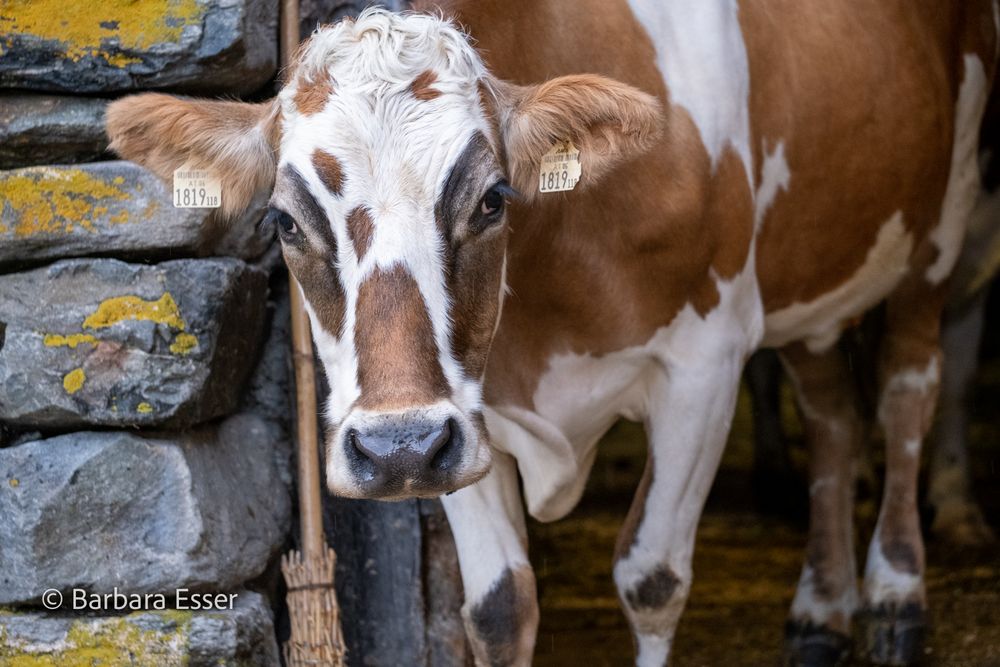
<point>144,408</point>
<point>48,200</point>
<point>14,483</point>
<point>121,308</point>
<point>70,341</point>
<point>73,381</point>
<point>184,343</point>
<point>115,26</point>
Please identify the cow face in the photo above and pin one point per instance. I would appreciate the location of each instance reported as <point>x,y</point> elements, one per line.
<point>391,155</point>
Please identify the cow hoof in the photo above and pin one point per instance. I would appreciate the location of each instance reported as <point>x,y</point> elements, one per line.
<point>810,645</point>
<point>892,635</point>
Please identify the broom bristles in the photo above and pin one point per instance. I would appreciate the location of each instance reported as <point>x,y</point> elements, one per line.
<point>317,639</point>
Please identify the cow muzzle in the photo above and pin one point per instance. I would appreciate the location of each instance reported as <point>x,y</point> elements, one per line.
<point>418,453</point>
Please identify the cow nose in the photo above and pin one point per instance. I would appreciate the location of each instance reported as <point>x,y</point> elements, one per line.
<point>401,450</point>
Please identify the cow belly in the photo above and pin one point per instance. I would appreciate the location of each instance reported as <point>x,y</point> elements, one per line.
<point>820,321</point>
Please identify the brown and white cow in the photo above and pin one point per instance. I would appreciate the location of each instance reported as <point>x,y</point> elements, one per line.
<point>754,173</point>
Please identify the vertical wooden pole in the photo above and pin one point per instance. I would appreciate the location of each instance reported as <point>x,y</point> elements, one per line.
<point>316,638</point>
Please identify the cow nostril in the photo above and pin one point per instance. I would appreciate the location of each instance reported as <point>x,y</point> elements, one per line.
<point>447,447</point>
<point>360,458</point>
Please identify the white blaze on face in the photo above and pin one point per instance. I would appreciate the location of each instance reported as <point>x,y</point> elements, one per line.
<point>394,150</point>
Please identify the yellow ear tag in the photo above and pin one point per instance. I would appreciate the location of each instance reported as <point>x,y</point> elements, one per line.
<point>561,169</point>
<point>196,188</point>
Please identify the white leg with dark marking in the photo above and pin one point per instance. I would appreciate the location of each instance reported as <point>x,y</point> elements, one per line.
<point>818,629</point>
<point>690,411</point>
<point>501,609</point>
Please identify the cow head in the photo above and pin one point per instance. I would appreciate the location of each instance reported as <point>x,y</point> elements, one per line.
<point>390,156</point>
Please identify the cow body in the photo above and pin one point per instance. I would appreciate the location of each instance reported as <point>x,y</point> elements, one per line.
<point>771,170</point>
<point>803,178</point>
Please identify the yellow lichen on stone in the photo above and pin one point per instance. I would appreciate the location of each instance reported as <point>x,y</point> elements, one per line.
<point>183,343</point>
<point>14,483</point>
<point>73,381</point>
<point>144,408</point>
<point>109,643</point>
<point>121,308</point>
<point>47,200</point>
<point>70,341</point>
<point>101,30</point>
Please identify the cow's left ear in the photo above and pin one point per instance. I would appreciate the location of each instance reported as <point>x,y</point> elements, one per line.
<point>608,121</point>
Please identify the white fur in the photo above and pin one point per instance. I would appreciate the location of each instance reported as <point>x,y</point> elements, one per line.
<point>820,321</point>
<point>963,181</point>
<point>809,605</point>
<point>703,59</point>
<point>775,177</point>
<point>883,582</point>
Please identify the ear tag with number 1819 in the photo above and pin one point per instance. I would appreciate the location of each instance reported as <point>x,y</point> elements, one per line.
<point>561,169</point>
<point>196,188</point>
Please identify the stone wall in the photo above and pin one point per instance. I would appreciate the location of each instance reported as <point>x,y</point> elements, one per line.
<point>144,367</point>
<point>145,414</point>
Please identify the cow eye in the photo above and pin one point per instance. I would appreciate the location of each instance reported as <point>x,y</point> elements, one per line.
<point>493,201</point>
<point>280,219</point>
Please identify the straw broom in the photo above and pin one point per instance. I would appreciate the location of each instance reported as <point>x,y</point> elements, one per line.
<point>316,639</point>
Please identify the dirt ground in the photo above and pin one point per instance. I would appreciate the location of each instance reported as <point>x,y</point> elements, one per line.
<point>746,565</point>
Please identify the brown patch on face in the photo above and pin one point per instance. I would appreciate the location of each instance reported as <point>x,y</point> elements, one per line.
<point>421,86</point>
<point>360,228</point>
<point>329,171</point>
<point>310,98</point>
<point>398,364</point>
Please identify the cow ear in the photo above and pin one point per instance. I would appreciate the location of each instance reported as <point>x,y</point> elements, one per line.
<point>608,121</point>
<point>237,141</point>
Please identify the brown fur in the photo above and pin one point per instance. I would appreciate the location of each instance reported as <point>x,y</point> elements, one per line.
<point>360,228</point>
<point>398,363</point>
<point>421,87</point>
<point>329,171</point>
<point>312,96</point>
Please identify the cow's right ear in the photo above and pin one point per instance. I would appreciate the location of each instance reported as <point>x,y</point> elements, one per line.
<point>235,140</point>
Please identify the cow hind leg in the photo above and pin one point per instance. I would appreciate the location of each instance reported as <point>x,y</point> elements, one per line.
<point>818,629</point>
<point>957,518</point>
<point>501,608</point>
<point>691,409</point>
<point>893,618</point>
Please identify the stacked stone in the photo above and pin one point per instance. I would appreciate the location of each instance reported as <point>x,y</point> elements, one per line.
<point>144,440</point>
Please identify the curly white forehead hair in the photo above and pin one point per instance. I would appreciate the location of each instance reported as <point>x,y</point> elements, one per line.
<point>381,50</point>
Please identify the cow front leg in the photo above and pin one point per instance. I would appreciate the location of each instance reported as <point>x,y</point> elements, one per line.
<point>819,626</point>
<point>501,606</point>
<point>690,411</point>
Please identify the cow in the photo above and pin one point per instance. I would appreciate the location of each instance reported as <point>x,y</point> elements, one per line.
<point>749,173</point>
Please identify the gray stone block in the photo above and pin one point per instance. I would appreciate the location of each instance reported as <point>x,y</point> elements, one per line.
<point>243,636</point>
<point>46,129</point>
<point>108,208</point>
<point>216,46</point>
<point>205,510</point>
<point>101,342</point>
